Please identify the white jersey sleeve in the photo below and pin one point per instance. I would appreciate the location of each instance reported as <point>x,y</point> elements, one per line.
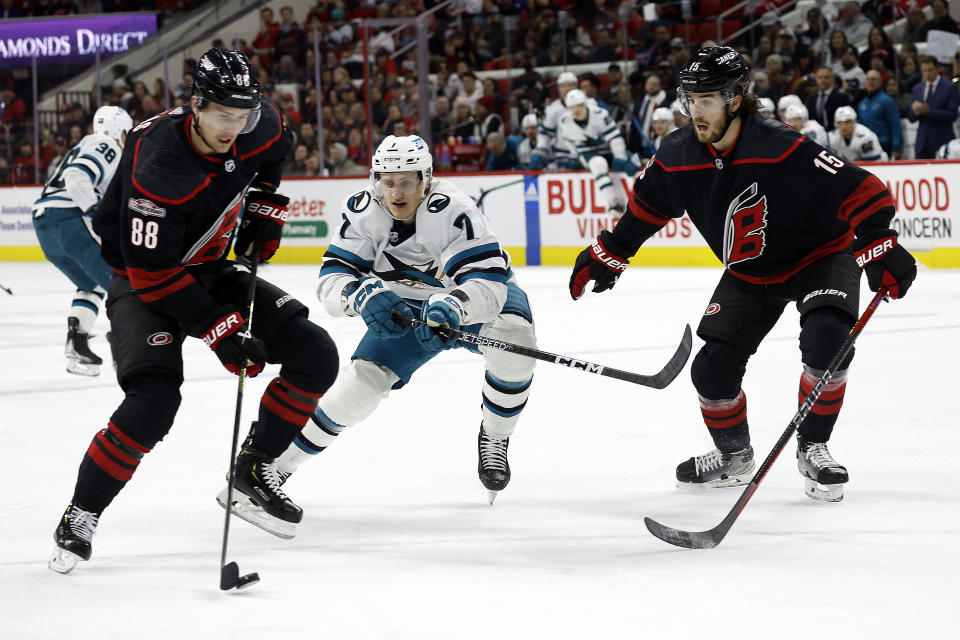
<point>83,175</point>
<point>548,126</point>
<point>600,134</point>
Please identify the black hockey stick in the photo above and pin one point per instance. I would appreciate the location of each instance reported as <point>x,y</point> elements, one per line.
<point>657,381</point>
<point>230,577</point>
<point>484,194</point>
<point>712,537</point>
<point>6,289</point>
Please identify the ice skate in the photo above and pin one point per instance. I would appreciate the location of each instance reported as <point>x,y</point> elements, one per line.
<point>257,496</point>
<point>73,537</point>
<point>493,467</point>
<point>80,360</point>
<point>717,469</point>
<point>823,477</point>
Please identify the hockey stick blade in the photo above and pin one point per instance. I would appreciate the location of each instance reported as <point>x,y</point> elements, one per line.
<point>230,578</point>
<point>658,380</point>
<point>712,537</point>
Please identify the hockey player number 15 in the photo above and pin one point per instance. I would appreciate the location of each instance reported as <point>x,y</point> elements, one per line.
<point>827,162</point>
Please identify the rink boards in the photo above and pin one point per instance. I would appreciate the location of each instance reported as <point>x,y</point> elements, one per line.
<point>548,218</point>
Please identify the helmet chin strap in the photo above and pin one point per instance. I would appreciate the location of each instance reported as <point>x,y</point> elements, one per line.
<point>196,128</point>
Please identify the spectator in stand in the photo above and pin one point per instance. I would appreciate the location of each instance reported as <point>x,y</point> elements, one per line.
<point>409,98</point>
<point>462,124</point>
<point>941,20</point>
<point>641,122</point>
<point>311,166</point>
<point>659,49</point>
<point>394,116</point>
<point>590,85</point>
<point>851,76</point>
<point>289,109</point>
<point>878,42</point>
<point>440,122</point>
<point>357,146</point>
<point>916,30</point>
<point>296,165</point>
<point>290,34</point>
<point>308,135</point>
<point>787,49</point>
<point>162,95</point>
<point>902,100</point>
<point>777,82</point>
<point>23,165</point>
<point>471,88</point>
<point>76,133</point>
<point>356,115</point>
<point>14,109</point>
<point>529,125</point>
<point>59,148</point>
<point>69,116</point>
<point>878,112</point>
<point>812,31</point>
<point>341,164</point>
<point>378,108</point>
<point>763,49</point>
<point>501,152</point>
<point>500,101</point>
<point>838,45</point>
<point>823,104</point>
<point>909,73</point>
<point>263,44</point>
<point>934,106</point>
<point>854,25</point>
<point>486,121</point>
<point>605,49</point>
<point>615,74</point>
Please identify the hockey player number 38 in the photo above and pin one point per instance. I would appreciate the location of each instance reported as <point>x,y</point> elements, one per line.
<point>827,162</point>
<point>144,234</point>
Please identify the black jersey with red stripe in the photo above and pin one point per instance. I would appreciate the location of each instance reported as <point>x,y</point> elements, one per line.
<point>170,212</point>
<point>772,203</point>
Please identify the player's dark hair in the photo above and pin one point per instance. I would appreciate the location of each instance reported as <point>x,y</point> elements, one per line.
<point>749,105</point>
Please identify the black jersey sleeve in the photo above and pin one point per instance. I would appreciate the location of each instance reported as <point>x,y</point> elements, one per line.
<point>649,208</point>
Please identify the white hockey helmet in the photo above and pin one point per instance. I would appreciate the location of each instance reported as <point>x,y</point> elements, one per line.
<point>575,97</point>
<point>787,100</point>
<point>797,111</point>
<point>567,78</point>
<point>766,106</point>
<point>112,122</point>
<point>529,120</point>
<point>662,113</point>
<point>844,114</point>
<point>405,153</point>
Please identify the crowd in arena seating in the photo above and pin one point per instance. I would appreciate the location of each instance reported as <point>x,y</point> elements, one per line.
<point>838,55</point>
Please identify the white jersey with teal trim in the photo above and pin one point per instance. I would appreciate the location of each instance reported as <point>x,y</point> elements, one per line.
<point>547,135</point>
<point>815,131</point>
<point>82,176</point>
<point>862,145</point>
<point>949,151</point>
<point>598,134</point>
<point>449,246</point>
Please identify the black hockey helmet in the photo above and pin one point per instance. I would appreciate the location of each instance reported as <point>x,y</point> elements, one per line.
<point>227,78</point>
<point>720,69</point>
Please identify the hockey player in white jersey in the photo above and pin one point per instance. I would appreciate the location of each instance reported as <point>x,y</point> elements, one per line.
<point>594,138</point>
<point>416,245</point>
<point>798,117</point>
<point>853,141</point>
<point>949,151</point>
<point>62,218</point>
<point>546,150</point>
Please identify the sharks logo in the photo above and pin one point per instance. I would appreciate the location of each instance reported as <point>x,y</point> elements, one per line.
<point>412,276</point>
<point>438,202</point>
<point>358,202</point>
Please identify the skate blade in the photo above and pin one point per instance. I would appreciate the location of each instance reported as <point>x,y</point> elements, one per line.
<point>63,561</point>
<point>823,492</point>
<point>491,495</point>
<point>76,367</point>
<point>738,480</point>
<point>244,509</point>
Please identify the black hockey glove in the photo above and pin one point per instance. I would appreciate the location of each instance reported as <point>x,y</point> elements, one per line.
<point>228,338</point>
<point>886,262</point>
<point>263,220</point>
<point>602,262</point>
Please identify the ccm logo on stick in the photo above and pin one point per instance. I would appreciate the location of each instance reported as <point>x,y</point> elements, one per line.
<point>579,364</point>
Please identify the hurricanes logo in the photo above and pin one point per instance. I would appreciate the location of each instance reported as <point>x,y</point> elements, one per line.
<point>159,339</point>
<point>744,237</point>
<point>712,309</point>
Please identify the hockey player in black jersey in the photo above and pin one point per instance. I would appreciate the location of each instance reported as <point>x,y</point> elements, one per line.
<point>791,223</point>
<point>166,224</point>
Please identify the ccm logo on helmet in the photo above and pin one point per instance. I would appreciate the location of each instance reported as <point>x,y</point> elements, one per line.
<point>267,210</point>
<point>159,339</point>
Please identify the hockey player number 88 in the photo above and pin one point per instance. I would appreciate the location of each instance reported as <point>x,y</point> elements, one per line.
<point>144,234</point>
<point>827,162</point>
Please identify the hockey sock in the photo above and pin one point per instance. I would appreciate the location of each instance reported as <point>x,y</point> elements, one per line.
<point>818,424</point>
<point>284,410</point>
<point>502,403</point>
<point>108,464</point>
<point>726,421</point>
<point>85,308</point>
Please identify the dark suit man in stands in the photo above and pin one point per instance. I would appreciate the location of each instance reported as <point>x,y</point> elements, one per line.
<point>935,102</point>
<point>823,103</point>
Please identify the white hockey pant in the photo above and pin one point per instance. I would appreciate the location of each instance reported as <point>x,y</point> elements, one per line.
<point>609,190</point>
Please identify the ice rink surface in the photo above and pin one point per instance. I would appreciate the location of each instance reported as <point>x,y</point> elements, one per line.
<point>398,540</point>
